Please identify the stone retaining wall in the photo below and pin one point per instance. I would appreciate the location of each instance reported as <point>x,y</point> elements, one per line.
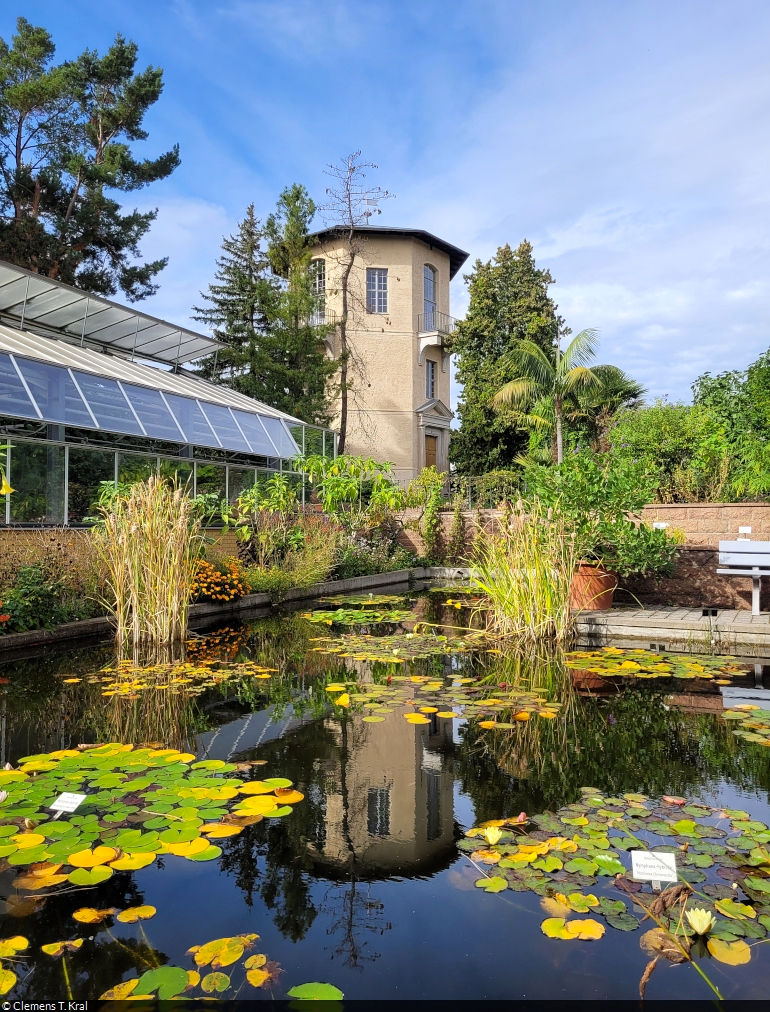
<point>705,524</point>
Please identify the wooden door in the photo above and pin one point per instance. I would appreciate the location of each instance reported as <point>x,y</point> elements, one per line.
<point>430,451</point>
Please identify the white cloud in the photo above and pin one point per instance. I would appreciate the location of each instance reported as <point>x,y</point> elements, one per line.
<point>189,232</point>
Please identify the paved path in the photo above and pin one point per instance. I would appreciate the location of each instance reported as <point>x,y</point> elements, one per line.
<point>729,632</point>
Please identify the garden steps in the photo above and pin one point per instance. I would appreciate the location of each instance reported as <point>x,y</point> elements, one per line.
<point>729,631</point>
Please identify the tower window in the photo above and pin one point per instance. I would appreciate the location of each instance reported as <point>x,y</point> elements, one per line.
<point>430,291</point>
<point>376,289</point>
<point>318,276</point>
<point>430,378</point>
<point>378,811</point>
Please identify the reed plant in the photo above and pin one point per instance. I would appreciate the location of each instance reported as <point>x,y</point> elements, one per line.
<point>150,539</point>
<point>524,568</point>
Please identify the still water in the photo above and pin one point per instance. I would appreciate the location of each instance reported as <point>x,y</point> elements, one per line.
<point>363,885</point>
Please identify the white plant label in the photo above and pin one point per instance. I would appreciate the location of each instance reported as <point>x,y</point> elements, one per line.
<point>67,802</point>
<point>647,866</point>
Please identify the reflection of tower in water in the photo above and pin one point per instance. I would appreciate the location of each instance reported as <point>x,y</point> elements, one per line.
<point>390,810</point>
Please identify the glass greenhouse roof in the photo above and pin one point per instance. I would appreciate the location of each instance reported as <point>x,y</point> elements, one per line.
<point>34,302</point>
<point>53,382</point>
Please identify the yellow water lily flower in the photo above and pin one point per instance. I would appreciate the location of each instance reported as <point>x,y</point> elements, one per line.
<point>700,920</point>
<point>492,835</point>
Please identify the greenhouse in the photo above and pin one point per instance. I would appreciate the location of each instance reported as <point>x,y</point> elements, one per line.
<point>94,391</point>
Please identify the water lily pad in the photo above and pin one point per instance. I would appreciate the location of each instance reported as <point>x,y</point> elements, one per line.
<point>167,981</point>
<point>495,884</point>
<point>316,991</point>
<point>90,877</point>
<point>133,914</point>
<point>733,953</point>
<point>215,982</point>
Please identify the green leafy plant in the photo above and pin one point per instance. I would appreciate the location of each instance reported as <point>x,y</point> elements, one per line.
<point>600,498</point>
<point>34,601</point>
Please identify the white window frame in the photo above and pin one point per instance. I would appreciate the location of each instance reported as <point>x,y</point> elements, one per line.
<point>377,290</point>
<point>426,302</point>
<point>430,377</point>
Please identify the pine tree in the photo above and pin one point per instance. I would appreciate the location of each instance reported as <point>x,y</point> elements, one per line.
<point>65,135</point>
<point>509,302</point>
<point>262,306</point>
<point>305,367</point>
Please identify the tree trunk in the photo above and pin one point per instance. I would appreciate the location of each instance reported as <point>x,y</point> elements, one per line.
<point>559,438</point>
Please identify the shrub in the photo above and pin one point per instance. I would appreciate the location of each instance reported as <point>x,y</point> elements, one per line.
<point>33,602</point>
<point>310,558</point>
<point>219,581</point>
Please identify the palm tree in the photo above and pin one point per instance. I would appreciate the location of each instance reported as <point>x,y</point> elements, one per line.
<point>548,385</point>
<point>592,407</point>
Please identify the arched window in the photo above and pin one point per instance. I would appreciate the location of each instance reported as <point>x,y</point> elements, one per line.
<point>430,294</point>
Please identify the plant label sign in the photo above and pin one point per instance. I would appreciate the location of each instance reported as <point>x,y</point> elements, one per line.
<point>66,803</point>
<point>649,866</point>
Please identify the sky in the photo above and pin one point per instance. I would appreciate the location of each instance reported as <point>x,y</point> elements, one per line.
<point>626,140</point>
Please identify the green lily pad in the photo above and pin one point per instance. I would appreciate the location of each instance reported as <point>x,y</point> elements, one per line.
<point>168,981</point>
<point>316,991</point>
<point>495,884</point>
<point>90,876</point>
<point>581,866</point>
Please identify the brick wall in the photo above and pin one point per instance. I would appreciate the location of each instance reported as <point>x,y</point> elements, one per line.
<point>412,539</point>
<point>706,524</point>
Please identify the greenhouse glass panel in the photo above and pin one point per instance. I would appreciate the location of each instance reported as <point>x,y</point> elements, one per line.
<point>210,478</point>
<point>136,467</point>
<point>55,393</point>
<point>254,431</point>
<point>314,440</point>
<point>280,436</point>
<point>106,400</point>
<point>14,399</point>
<point>191,420</point>
<point>239,479</point>
<point>37,476</point>
<point>86,470</point>
<point>153,413</point>
<point>222,423</point>
<point>180,471</point>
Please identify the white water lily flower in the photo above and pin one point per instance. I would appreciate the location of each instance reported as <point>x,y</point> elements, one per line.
<point>700,920</point>
<point>492,834</point>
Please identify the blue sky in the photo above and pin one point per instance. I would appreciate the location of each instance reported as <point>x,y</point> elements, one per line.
<point>627,140</point>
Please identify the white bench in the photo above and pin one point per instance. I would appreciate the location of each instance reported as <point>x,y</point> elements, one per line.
<point>746,558</point>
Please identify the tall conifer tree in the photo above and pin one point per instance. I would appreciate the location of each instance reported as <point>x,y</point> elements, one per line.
<point>265,307</point>
<point>509,302</point>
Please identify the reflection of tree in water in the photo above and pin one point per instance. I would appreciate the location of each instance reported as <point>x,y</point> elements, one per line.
<point>103,960</point>
<point>272,857</point>
<point>353,912</point>
<point>631,740</point>
<point>275,858</point>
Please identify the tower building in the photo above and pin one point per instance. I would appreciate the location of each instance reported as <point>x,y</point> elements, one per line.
<point>398,319</point>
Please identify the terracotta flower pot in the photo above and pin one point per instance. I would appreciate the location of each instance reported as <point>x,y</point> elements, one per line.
<point>592,588</point>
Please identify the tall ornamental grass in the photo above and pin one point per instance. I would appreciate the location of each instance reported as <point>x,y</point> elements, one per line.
<point>524,570</point>
<point>149,538</point>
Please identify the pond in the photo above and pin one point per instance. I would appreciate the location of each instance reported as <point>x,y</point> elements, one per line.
<point>324,838</point>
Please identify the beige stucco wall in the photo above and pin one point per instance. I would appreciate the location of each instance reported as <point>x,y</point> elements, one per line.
<point>386,371</point>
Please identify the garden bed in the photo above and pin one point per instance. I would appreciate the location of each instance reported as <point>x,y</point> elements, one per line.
<point>95,630</point>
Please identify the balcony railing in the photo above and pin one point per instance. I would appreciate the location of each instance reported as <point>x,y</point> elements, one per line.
<point>435,323</point>
<point>323,318</point>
